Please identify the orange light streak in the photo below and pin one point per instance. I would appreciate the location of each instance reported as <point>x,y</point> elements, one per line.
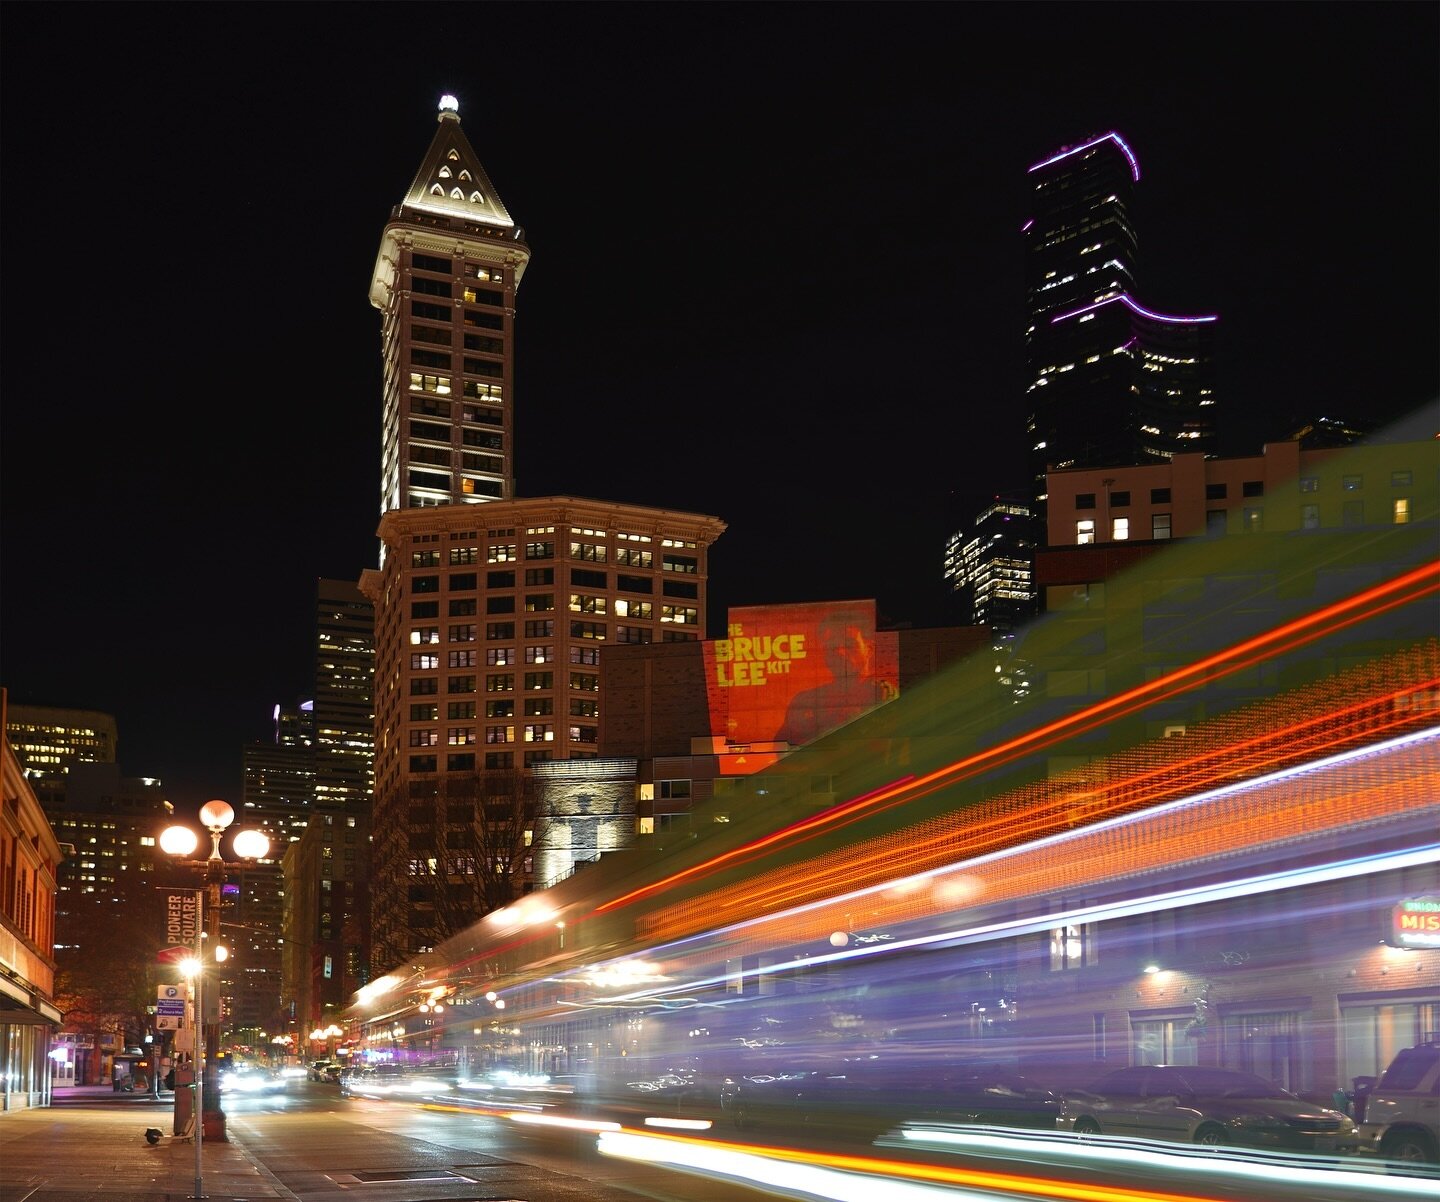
<point>1368,603</point>
<point>941,1174</point>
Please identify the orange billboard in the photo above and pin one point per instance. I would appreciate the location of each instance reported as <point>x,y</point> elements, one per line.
<point>790,673</point>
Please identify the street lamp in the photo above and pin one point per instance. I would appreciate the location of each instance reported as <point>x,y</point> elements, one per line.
<point>181,842</point>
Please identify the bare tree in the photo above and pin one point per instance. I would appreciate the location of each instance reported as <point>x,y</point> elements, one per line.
<point>478,851</point>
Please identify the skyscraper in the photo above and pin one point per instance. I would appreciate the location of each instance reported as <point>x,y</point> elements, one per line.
<point>490,610</point>
<point>1110,381</point>
<point>991,566</point>
<point>344,709</point>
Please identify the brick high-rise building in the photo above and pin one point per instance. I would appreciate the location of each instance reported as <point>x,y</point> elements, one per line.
<point>490,610</point>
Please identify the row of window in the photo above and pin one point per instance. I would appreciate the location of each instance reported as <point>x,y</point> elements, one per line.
<point>1252,520</point>
<point>632,557</point>
<point>467,582</point>
<point>1248,488</point>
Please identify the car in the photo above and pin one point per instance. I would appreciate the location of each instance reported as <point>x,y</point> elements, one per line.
<point>250,1079</point>
<point>395,1080</point>
<point>319,1070</point>
<point>866,1100</point>
<point>1188,1103</point>
<point>1402,1114</point>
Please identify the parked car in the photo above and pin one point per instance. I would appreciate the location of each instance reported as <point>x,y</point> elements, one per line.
<point>864,1101</point>
<point>1214,1106</point>
<point>1402,1113</point>
<point>319,1070</point>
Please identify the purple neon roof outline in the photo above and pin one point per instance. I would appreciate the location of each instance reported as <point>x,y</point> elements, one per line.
<point>1125,299</point>
<point>1112,136</point>
<point>1026,227</point>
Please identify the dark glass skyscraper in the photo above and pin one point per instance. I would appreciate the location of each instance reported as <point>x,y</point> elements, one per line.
<point>1110,381</point>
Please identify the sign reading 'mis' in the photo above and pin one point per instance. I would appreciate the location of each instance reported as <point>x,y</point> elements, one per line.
<point>1415,922</point>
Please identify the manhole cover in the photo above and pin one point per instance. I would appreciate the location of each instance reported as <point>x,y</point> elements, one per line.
<point>408,1175</point>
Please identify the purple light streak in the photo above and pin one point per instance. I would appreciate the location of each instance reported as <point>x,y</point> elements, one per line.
<point>1129,303</point>
<point>1112,136</point>
<point>1025,228</point>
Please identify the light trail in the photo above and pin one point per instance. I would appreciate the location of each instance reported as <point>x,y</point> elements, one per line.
<point>1362,606</point>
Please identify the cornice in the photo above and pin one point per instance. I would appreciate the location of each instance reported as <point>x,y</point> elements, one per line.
<point>398,524</point>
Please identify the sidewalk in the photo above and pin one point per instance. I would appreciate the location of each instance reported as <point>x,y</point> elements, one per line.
<point>92,1149</point>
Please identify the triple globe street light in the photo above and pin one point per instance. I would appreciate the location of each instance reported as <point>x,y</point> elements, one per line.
<point>181,842</point>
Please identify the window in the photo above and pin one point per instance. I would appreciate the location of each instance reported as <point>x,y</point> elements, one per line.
<point>634,557</point>
<point>1215,492</point>
<point>421,382</point>
<point>589,578</point>
<point>420,686</point>
<point>1120,499</point>
<point>1401,479</point>
<point>421,635</point>
<point>423,763</point>
<point>1214,522</point>
<point>584,707</point>
<point>460,763</point>
<point>500,605</point>
<point>584,734</point>
<point>462,659</point>
<point>1071,947</point>
<point>589,552</point>
<point>680,588</point>
<point>1163,1041</point>
<point>672,790</point>
<point>423,660</point>
<point>463,555</point>
<point>633,634</point>
<point>459,736</point>
<point>466,607</point>
<point>679,563</point>
<point>543,628</point>
<point>683,615</point>
<point>460,684</point>
<point>586,603</point>
<point>425,584</point>
<point>465,633</point>
<point>1085,500</point>
<point>587,682</point>
<point>500,759</point>
<point>498,657</point>
<point>1310,517</point>
<point>1119,529</point>
<point>1309,483</point>
<point>421,358</point>
<point>500,553</point>
<point>424,559</point>
<point>540,653</point>
<point>500,709</point>
<point>540,551</point>
<point>500,579</point>
<point>424,609</point>
<point>536,603</point>
<point>460,709</point>
<point>1159,496</point>
<point>428,311</point>
<point>1254,519</point>
<point>503,682</point>
<point>634,609</point>
<point>535,576</point>
<point>1253,488</point>
<point>1085,531</point>
<point>587,630</point>
<point>499,734</point>
<point>424,738</point>
<point>1400,510</point>
<point>539,707</point>
<point>482,367</point>
<point>429,288</point>
<point>539,680</point>
<point>463,582</point>
<point>424,713</point>
<point>1352,483</point>
<point>539,732</point>
<point>483,342</point>
<point>635,584</point>
<point>1159,525</point>
<point>431,263</point>
<point>585,655</point>
<point>536,757</point>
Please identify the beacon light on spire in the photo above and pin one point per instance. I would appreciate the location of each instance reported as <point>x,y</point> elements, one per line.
<point>448,104</point>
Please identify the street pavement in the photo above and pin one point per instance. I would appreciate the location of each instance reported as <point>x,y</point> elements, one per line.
<point>91,1145</point>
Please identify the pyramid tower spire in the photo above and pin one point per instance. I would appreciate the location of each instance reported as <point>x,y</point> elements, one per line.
<point>451,180</point>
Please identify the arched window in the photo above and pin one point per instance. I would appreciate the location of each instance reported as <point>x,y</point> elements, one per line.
<point>477,198</point>
<point>444,172</point>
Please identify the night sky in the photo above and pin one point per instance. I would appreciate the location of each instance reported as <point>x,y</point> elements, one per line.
<point>776,277</point>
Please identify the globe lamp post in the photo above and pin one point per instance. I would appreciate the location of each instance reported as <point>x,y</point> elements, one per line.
<point>181,843</point>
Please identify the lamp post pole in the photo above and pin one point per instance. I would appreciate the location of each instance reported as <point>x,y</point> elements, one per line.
<point>180,841</point>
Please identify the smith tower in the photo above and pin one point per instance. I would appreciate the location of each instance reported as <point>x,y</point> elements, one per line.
<point>450,262</point>
<point>1110,381</point>
<point>490,619</point>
